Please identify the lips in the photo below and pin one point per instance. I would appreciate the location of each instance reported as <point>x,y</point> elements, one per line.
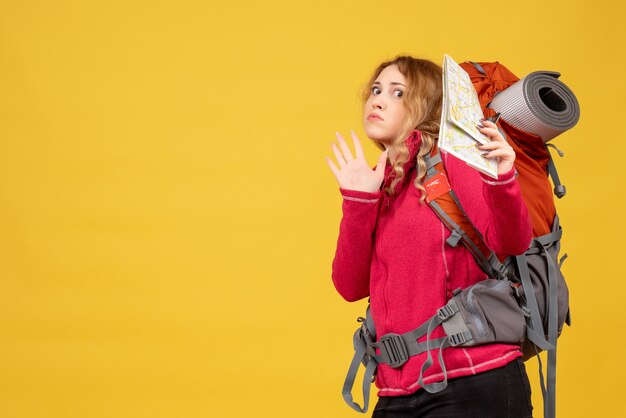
<point>374,116</point>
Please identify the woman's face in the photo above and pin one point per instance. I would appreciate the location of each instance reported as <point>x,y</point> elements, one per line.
<point>384,113</point>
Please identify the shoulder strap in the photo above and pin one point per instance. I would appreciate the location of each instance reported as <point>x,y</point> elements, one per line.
<point>442,199</point>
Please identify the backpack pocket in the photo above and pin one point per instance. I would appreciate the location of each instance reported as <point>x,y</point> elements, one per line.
<point>491,312</point>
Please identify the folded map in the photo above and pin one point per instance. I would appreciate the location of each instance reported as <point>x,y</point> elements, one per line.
<point>460,114</point>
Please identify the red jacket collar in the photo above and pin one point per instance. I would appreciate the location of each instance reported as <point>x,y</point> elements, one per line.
<point>413,142</point>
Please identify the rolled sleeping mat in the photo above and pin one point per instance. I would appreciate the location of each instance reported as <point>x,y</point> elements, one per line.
<point>538,103</point>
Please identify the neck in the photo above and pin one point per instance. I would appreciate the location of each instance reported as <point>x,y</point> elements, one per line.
<point>391,154</point>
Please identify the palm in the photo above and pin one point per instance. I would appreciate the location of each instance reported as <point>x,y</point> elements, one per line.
<point>354,173</point>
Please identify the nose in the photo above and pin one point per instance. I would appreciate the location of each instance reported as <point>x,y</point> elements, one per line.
<point>378,102</point>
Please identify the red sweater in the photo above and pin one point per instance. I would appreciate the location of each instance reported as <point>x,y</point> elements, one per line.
<point>393,249</point>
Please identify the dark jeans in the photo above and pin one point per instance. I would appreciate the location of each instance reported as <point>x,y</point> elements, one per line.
<point>497,393</point>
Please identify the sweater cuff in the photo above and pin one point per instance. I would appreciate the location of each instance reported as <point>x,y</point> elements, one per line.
<point>504,178</point>
<point>359,196</point>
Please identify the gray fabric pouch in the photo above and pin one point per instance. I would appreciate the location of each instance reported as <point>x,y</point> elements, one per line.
<point>489,310</point>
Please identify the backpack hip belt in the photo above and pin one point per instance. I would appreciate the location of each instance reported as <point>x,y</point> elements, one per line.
<point>465,321</point>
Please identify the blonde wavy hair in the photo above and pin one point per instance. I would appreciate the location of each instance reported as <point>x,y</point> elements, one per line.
<point>422,100</point>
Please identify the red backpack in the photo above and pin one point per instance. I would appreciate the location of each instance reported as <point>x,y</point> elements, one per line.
<point>533,159</point>
<point>546,296</point>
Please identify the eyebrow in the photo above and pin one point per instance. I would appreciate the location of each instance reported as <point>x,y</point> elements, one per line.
<point>393,83</point>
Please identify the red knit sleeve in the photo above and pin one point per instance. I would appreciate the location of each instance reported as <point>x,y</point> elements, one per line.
<point>510,229</point>
<point>494,206</point>
<point>351,265</point>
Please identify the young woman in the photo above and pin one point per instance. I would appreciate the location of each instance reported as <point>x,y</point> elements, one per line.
<point>392,246</point>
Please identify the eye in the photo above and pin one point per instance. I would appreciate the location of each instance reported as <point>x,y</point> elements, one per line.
<point>398,93</point>
<point>375,90</point>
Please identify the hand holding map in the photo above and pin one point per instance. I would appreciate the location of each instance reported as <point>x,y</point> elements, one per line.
<point>497,147</point>
<point>460,116</point>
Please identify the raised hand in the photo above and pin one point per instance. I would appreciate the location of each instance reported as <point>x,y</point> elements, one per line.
<point>354,173</point>
<point>497,147</point>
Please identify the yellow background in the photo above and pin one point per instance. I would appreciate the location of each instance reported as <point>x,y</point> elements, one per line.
<point>168,221</point>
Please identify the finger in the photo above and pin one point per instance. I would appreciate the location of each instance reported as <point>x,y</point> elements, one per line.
<point>506,154</point>
<point>338,155</point>
<point>333,167</point>
<point>499,153</point>
<point>494,145</point>
<point>382,161</point>
<point>357,146</point>
<point>488,124</point>
<point>492,133</point>
<point>344,148</point>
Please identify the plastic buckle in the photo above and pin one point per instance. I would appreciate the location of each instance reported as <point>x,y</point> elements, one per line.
<point>368,342</point>
<point>453,239</point>
<point>458,338</point>
<point>365,334</point>
<point>447,310</point>
<point>393,350</point>
<point>502,271</point>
